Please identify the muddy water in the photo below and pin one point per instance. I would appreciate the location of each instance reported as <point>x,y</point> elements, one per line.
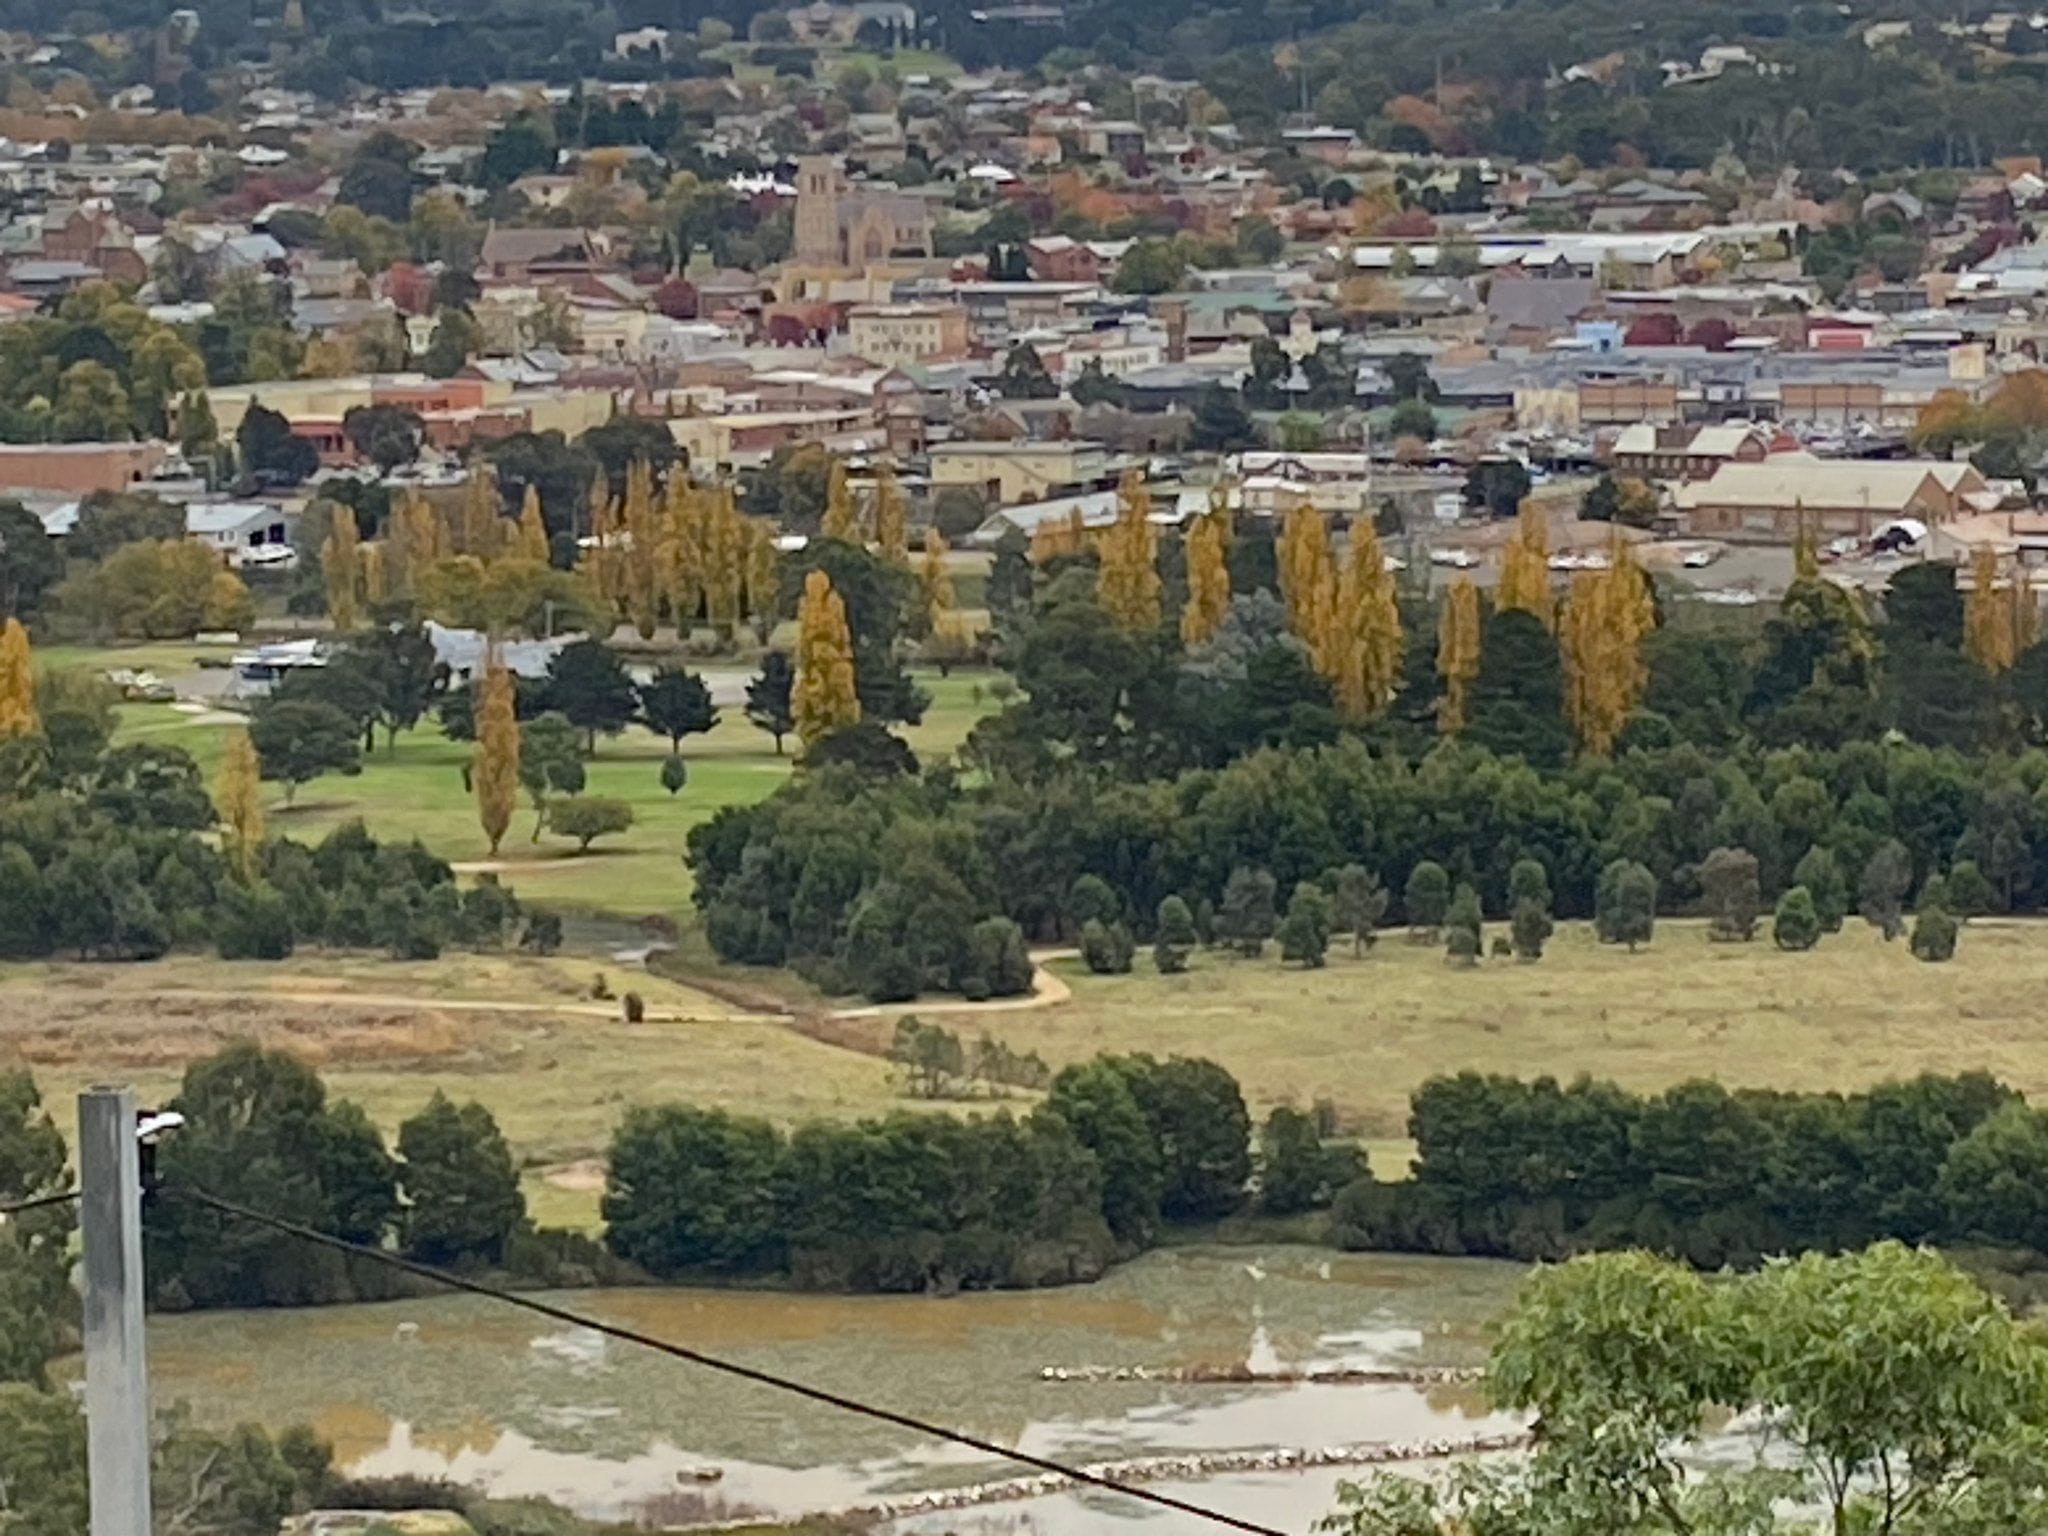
<point>469,1389</point>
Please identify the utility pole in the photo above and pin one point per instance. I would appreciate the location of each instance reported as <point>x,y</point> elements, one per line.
<point>116,1369</point>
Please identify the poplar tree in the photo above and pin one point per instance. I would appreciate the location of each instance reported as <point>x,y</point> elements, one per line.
<point>1600,643</point>
<point>638,561</point>
<point>18,715</point>
<point>1525,570</point>
<point>376,577</point>
<point>933,581</point>
<point>1365,640</point>
<point>480,515</point>
<point>763,578</point>
<point>725,554</point>
<point>533,529</point>
<point>840,520</point>
<point>824,699</point>
<point>1998,621</point>
<point>1208,601</point>
<point>892,533</point>
<point>599,559</point>
<point>1457,652</point>
<point>341,568</point>
<point>238,801</point>
<point>1056,540</point>
<point>1308,581</point>
<point>1129,587</point>
<point>416,539</point>
<point>494,766</point>
<point>682,550</point>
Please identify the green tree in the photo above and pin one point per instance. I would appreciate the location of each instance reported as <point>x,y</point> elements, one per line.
<point>1934,934</point>
<point>297,740</point>
<point>29,561</point>
<point>1246,919</point>
<point>589,817</point>
<point>461,1185</point>
<point>689,1189</point>
<point>1173,936</point>
<point>675,703</point>
<point>1881,893</point>
<point>269,449</point>
<point>1969,893</point>
<point>1150,266</point>
<point>1728,881</point>
<point>1530,925</point>
<point>1097,1104</point>
<point>1820,872</point>
<point>1464,914</point>
<point>589,686</point>
<point>1426,899</point>
<point>769,698</point>
<point>550,763</point>
<point>1357,903</point>
<point>1106,948</point>
<point>1515,706</point>
<point>675,773</point>
<point>1625,904</point>
<point>1304,933</point>
<point>1796,923</point>
<point>42,1463</point>
<point>1296,1171</point>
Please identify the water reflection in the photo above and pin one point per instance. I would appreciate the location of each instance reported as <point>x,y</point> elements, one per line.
<point>461,1387</point>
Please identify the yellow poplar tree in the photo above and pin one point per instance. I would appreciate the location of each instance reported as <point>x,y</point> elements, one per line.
<point>376,579</point>
<point>934,581</point>
<point>1208,580</point>
<point>1365,640</point>
<point>1052,540</point>
<point>639,556</point>
<point>494,766</point>
<point>763,573</point>
<point>341,567</point>
<point>1129,586</point>
<point>1308,581</point>
<point>1600,641</point>
<point>533,529</point>
<point>417,538</point>
<point>479,517</point>
<point>1457,653</point>
<point>18,716</point>
<point>682,550</point>
<point>599,561</point>
<point>823,699</point>
<point>892,532</point>
<point>840,521</point>
<point>1525,570</point>
<point>238,801</point>
<point>724,560</point>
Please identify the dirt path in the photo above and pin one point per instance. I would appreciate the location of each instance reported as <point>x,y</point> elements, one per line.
<point>385,1002</point>
<point>1047,991</point>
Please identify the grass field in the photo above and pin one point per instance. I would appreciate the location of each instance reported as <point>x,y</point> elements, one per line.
<point>416,791</point>
<point>1364,1033</point>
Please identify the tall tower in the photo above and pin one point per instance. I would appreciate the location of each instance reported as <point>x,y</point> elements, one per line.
<point>820,184</point>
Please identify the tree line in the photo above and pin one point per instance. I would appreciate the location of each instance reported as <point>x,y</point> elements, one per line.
<point>1538,1170</point>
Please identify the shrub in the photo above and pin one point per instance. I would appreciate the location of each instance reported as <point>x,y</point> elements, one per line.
<point>1106,947</point>
<point>1796,923</point>
<point>1625,904</point>
<point>1531,926</point>
<point>1173,936</point>
<point>254,923</point>
<point>1729,882</point>
<point>1934,935</point>
<point>1461,946</point>
<point>633,1008</point>
<point>675,773</point>
<point>1426,898</point>
<point>1305,932</point>
<point>588,817</point>
<point>543,935</point>
<point>1969,893</point>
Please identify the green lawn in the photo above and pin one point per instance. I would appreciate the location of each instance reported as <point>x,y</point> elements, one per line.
<point>416,791</point>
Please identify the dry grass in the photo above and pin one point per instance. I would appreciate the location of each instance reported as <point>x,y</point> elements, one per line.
<point>558,1081</point>
<point>1364,1033</point>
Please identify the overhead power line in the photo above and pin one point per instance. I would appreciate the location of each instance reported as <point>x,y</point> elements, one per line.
<point>676,1351</point>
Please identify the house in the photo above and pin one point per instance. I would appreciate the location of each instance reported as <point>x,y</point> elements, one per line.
<point>241,533</point>
<point>1009,473</point>
<point>1768,502</point>
<point>1646,451</point>
<point>906,333</point>
<point>520,255</point>
<point>1272,484</point>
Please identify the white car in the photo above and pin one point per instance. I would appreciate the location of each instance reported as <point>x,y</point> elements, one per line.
<point>1456,558</point>
<point>1699,559</point>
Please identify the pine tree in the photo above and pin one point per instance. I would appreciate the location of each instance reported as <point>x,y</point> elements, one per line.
<point>933,581</point>
<point>1600,641</point>
<point>1365,637</point>
<point>238,801</point>
<point>341,567</point>
<point>892,534</point>
<point>1525,570</point>
<point>1129,588</point>
<point>840,521</point>
<point>1457,652</point>
<point>639,554</point>
<point>532,542</point>
<point>824,699</point>
<point>494,765</point>
<point>18,715</point>
<point>1208,600</point>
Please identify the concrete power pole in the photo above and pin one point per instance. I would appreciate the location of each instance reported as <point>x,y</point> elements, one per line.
<point>116,1369</point>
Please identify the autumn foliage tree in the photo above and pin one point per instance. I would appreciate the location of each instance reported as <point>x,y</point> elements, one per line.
<point>1208,600</point>
<point>840,521</point>
<point>1308,580</point>
<point>824,699</point>
<point>891,524</point>
<point>1525,570</point>
<point>1457,653</point>
<point>934,585</point>
<point>18,716</point>
<point>1601,636</point>
<point>494,768</point>
<point>238,801</point>
<point>1999,614</point>
<point>341,567</point>
<point>1129,587</point>
<point>1364,649</point>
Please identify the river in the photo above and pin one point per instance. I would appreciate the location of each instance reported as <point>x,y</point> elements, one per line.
<point>466,1388</point>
